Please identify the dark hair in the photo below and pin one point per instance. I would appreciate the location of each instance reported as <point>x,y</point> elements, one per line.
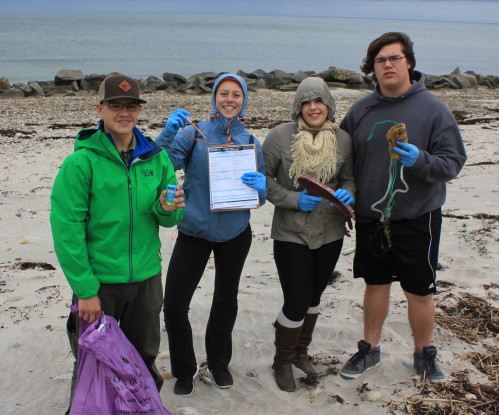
<point>387,39</point>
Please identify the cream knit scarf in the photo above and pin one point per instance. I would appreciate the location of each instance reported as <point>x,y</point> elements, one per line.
<point>315,156</point>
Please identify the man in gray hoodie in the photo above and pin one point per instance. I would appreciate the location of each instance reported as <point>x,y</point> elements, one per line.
<point>399,196</point>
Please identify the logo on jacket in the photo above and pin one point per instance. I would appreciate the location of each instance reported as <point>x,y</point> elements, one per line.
<point>147,173</point>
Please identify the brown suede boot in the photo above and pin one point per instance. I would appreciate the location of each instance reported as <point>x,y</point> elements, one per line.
<point>301,359</point>
<point>285,342</point>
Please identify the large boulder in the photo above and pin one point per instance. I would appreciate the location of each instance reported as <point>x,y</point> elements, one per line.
<point>490,81</point>
<point>246,76</point>
<point>260,83</point>
<point>356,81</point>
<point>36,89</point>
<point>74,86</point>
<point>92,82</point>
<point>67,76</point>
<point>12,93</point>
<point>289,87</point>
<point>173,77</point>
<point>334,74</point>
<point>199,83</point>
<point>369,81</point>
<point>285,76</point>
<point>439,82</point>
<point>45,85</point>
<point>142,83</point>
<point>194,86</point>
<point>168,86</point>
<point>52,89</point>
<point>204,77</point>
<point>4,83</point>
<point>463,81</point>
<point>334,85</point>
<point>299,76</point>
<point>153,83</point>
<point>258,74</point>
<point>274,82</point>
<point>24,88</point>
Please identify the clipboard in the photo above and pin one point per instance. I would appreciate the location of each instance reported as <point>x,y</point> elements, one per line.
<point>226,165</point>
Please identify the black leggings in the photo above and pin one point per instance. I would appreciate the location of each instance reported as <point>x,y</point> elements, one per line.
<point>189,258</point>
<point>304,274</point>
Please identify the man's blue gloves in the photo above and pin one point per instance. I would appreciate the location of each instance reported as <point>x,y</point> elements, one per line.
<point>177,120</point>
<point>307,203</point>
<point>257,181</point>
<point>409,153</point>
<point>344,196</point>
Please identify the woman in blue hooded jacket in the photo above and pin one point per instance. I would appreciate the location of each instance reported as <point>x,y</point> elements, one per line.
<point>225,233</point>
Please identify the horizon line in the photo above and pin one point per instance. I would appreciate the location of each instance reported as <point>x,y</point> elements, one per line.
<point>256,14</point>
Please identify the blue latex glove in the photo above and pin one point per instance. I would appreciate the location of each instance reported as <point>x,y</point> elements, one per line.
<point>177,120</point>
<point>257,181</point>
<point>409,153</point>
<point>308,203</point>
<point>344,196</point>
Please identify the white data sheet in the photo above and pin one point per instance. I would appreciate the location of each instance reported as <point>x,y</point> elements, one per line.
<point>226,166</point>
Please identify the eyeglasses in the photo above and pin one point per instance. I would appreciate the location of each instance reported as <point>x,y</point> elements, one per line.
<point>117,106</point>
<point>393,59</point>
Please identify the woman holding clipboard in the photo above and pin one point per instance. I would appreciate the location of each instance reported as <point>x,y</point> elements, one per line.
<point>307,230</point>
<point>226,234</point>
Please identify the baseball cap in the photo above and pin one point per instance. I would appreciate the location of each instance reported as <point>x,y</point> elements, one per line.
<point>119,86</point>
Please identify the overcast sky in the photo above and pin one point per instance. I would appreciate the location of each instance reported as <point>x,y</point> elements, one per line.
<point>483,11</point>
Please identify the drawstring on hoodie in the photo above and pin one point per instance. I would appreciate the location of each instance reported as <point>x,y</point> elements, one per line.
<point>228,132</point>
<point>242,120</point>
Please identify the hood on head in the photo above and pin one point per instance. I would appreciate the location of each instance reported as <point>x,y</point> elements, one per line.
<point>313,88</point>
<point>232,77</point>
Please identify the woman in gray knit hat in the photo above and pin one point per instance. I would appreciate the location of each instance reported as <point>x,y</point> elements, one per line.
<point>307,230</point>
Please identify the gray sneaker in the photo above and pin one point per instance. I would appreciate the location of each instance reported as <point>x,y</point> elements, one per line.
<point>366,358</point>
<point>427,366</point>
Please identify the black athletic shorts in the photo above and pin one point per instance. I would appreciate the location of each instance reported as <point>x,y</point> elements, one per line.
<point>412,259</point>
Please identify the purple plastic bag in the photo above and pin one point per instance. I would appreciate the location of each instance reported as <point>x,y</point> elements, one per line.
<point>112,377</point>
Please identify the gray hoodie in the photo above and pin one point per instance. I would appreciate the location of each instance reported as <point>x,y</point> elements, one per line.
<point>430,126</point>
<point>313,88</point>
<point>324,224</point>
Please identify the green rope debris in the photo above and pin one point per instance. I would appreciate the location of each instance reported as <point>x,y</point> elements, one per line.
<point>390,193</point>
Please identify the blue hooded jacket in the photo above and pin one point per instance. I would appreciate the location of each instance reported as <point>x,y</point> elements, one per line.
<point>192,156</point>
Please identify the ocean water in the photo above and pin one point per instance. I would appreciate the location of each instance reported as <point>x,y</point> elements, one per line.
<point>36,46</point>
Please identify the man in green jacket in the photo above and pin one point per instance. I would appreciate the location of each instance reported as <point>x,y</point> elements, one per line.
<point>108,202</point>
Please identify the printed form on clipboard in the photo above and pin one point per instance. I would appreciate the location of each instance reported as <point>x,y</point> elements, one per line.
<point>226,166</point>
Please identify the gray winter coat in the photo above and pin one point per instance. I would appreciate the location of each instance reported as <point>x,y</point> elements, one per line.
<point>325,224</point>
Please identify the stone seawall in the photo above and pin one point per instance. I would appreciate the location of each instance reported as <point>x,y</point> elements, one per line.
<point>71,82</point>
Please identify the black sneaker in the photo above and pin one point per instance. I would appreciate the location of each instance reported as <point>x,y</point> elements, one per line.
<point>223,378</point>
<point>183,387</point>
<point>366,358</point>
<point>426,364</point>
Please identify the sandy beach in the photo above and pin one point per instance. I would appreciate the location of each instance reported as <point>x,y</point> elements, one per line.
<point>36,134</point>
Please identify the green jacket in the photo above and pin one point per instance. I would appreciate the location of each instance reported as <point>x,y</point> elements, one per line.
<point>105,216</point>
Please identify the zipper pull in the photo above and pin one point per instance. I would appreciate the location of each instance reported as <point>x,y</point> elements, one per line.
<point>229,136</point>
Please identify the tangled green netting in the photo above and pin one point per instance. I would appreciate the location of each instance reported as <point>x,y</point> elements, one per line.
<point>395,172</point>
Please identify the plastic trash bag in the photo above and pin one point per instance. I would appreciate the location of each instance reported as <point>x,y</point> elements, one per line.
<point>112,377</point>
